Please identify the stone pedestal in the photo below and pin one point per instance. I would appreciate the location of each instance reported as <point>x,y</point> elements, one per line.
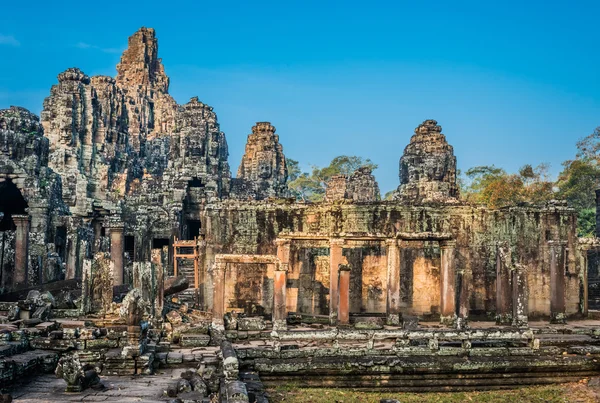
<point>503,285</point>
<point>279,297</point>
<point>335,259</point>
<point>393,282</point>
<point>117,244</point>
<point>21,249</point>
<point>343,314</point>
<point>447,282</point>
<point>557,281</point>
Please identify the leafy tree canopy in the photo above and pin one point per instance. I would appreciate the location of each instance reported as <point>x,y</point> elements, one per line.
<point>311,186</point>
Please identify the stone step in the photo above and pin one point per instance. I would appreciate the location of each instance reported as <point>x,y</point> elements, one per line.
<point>20,365</point>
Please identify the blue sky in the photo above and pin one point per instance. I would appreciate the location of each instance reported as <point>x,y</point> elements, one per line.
<point>510,82</point>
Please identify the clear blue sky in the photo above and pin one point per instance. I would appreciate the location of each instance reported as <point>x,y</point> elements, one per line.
<point>510,82</point>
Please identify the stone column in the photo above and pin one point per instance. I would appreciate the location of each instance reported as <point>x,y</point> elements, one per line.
<point>447,282</point>
<point>343,314</point>
<point>335,259</point>
<point>583,262</point>
<point>117,244</point>
<point>520,297</point>
<point>159,283</point>
<point>219,295</point>
<point>279,297</point>
<point>557,281</point>
<point>72,253</point>
<point>393,282</point>
<point>283,250</point>
<point>462,285</point>
<point>21,249</point>
<point>503,288</point>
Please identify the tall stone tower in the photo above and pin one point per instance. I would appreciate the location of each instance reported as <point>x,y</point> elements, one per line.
<point>263,170</point>
<point>428,167</point>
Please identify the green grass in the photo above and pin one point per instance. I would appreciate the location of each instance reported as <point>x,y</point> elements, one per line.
<point>535,394</point>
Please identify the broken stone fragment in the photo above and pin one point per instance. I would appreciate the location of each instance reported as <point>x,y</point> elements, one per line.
<point>174,318</point>
<point>14,312</point>
<point>231,320</point>
<point>43,312</point>
<point>230,361</point>
<point>173,285</point>
<point>134,307</point>
<point>195,380</point>
<point>236,391</point>
<point>64,300</point>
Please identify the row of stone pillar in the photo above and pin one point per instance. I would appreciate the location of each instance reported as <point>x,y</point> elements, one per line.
<point>511,286</point>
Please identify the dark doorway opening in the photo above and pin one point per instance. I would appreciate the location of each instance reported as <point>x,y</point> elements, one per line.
<point>60,240</point>
<point>11,202</point>
<point>193,229</point>
<point>195,183</point>
<point>158,243</point>
<point>130,247</point>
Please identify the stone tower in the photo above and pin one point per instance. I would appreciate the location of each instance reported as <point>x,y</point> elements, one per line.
<point>428,167</point>
<point>263,170</point>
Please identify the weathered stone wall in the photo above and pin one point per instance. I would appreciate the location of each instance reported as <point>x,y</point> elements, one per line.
<point>28,188</point>
<point>253,227</point>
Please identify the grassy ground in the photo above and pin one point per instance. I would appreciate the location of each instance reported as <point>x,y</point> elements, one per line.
<point>566,393</point>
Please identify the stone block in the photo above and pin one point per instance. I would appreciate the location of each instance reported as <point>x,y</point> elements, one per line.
<point>194,340</point>
<point>174,358</point>
<point>252,323</point>
<point>369,323</point>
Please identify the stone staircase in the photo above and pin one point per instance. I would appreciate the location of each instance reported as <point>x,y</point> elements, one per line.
<point>17,361</point>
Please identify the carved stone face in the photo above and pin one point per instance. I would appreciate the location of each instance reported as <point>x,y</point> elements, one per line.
<point>265,170</point>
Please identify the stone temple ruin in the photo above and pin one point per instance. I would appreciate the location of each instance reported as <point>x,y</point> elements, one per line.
<point>128,248</point>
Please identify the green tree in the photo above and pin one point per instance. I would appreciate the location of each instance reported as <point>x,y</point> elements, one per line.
<point>495,187</point>
<point>293,168</point>
<point>311,186</point>
<point>579,179</point>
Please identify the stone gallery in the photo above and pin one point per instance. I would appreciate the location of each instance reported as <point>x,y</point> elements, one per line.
<point>128,249</point>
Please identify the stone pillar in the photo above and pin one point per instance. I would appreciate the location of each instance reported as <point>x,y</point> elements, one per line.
<point>283,254</point>
<point>343,314</point>
<point>283,250</point>
<point>219,295</point>
<point>503,288</point>
<point>393,282</point>
<point>447,282</point>
<point>117,245</point>
<point>557,281</point>
<point>583,264</point>
<point>86,287</point>
<point>159,283</point>
<point>279,297</point>
<point>21,249</point>
<point>72,253</point>
<point>520,297</point>
<point>462,285</point>
<point>335,259</point>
